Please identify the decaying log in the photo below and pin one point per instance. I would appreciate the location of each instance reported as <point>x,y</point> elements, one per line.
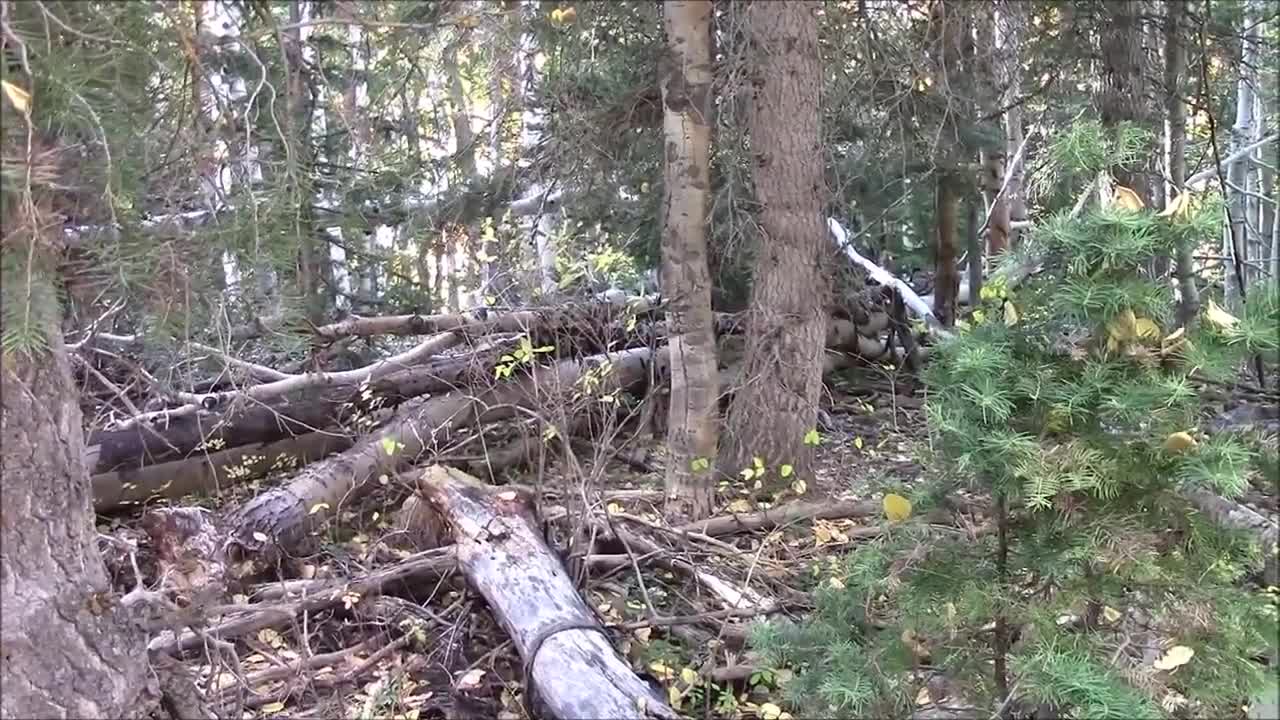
<point>282,516</point>
<point>295,414</point>
<point>568,658</point>
<point>209,472</point>
<point>294,383</point>
<point>483,321</point>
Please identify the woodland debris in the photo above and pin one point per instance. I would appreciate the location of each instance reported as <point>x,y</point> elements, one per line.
<point>568,658</point>
<point>308,596</point>
<point>210,472</point>
<point>781,515</point>
<point>282,516</point>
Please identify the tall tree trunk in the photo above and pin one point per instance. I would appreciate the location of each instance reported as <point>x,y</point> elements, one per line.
<point>947,275</point>
<point>1175,67</point>
<point>692,426</point>
<point>1123,85</point>
<point>1235,242</point>
<point>1009,26</point>
<point>313,256</point>
<point>992,154</point>
<point>69,649</point>
<point>782,377</point>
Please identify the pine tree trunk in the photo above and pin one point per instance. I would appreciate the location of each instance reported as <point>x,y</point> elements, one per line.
<point>68,650</point>
<point>1123,86</point>
<point>946,276</point>
<point>692,426</point>
<point>1176,122</point>
<point>782,378</point>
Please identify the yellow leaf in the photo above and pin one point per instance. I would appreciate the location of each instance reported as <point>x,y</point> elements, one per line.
<point>1179,441</point>
<point>835,583</point>
<point>1010,314</point>
<point>1218,317</point>
<point>470,679</point>
<point>643,634</point>
<point>1172,341</point>
<point>614,508</point>
<point>272,708</point>
<point>661,670</point>
<point>1110,614</point>
<point>1177,656</point>
<point>821,533</point>
<point>741,505</point>
<point>689,676</point>
<point>811,437</point>
<point>1145,328</point>
<point>20,98</point>
<point>675,698</point>
<point>1123,327</point>
<point>569,15</point>
<point>857,442</point>
<point>318,507</point>
<point>799,486</point>
<point>896,507</point>
<point>1179,206</point>
<point>923,697</point>
<point>1126,198</point>
<point>769,711</point>
<point>785,471</point>
<point>389,445</point>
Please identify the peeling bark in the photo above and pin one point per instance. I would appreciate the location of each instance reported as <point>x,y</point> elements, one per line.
<point>693,417</point>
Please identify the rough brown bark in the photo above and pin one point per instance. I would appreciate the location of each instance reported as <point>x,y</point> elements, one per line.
<point>778,403</point>
<point>1123,85</point>
<point>947,275</point>
<point>693,414</point>
<point>68,649</point>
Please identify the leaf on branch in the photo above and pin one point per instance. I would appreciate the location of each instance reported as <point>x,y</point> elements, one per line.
<point>1218,317</point>
<point>1127,199</point>
<point>1178,207</point>
<point>20,98</point>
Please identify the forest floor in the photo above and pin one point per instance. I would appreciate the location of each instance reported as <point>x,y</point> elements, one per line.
<point>679,608</point>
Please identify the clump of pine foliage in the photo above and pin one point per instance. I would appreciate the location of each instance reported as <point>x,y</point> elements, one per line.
<point>1097,590</point>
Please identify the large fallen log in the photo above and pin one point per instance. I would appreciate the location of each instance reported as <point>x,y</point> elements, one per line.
<point>568,658</point>
<point>295,414</point>
<point>483,321</point>
<point>209,472</point>
<point>281,517</point>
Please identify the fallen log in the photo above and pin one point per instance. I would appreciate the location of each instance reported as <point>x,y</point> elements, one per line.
<point>484,321</point>
<point>282,516</point>
<point>295,383</point>
<point>212,471</point>
<point>295,414</point>
<point>567,656</point>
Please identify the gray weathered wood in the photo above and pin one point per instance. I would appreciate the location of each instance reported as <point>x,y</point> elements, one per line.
<point>571,662</point>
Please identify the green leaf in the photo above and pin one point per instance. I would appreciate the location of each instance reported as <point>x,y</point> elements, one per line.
<point>786,470</point>
<point>699,464</point>
<point>811,437</point>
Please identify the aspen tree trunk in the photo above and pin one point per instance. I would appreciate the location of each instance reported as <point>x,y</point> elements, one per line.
<point>692,430</point>
<point>1009,26</point>
<point>782,373</point>
<point>1175,68</point>
<point>1235,241</point>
